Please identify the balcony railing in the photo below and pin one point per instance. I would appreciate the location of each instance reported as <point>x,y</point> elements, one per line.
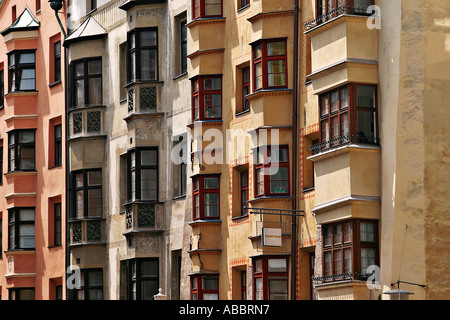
<point>338,11</point>
<point>344,277</point>
<point>342,141</point>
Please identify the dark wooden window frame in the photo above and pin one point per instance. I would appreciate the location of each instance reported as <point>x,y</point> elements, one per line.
<point>322,10</point>
<point>57,221</point>
<point>87,286</point>
<point>265,167</point>
<point>199,93</point>
<point>58,145</point>
<point>183,46</point>
<point>18,291</point>
<point>16,223</point>
<point>199,191</point>
<point>244,189</point>
<point>137,52</point>
<point>16,68</point>
<point>85,188</point>
<point>86,76</point>
<point>264,59</point>
<point>137,169</point>
<point>2,88</point>
<point>354,244</point>
<point>202,11</point>
<point>245,88</point>
<point>241,4</point>
<point>197,285</point>
<point>17,149</point>
<point>264,274</point>
<point>57,61</point>
<point>139,278</point>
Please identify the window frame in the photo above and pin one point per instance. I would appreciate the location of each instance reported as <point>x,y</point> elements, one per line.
<point>183,45</point>
<point>85,189</point>
<point>244,189</point>
<point>86,287</point>
<point>241,4</point>
<point>326,117</point>
<point>265,167</point>
<point>202,10</point>
<point>57,62</point>
<point>354,246</point>
<point>57,221</point>
<point>246,87</point>
<point>199,190</point>
<point>138,169</point>
<point>16,69</point>
<point>264,59</point>
<point>18,291</point>
<point>138,278</point>
<point>85,77</point>
<point>2,88</point>
<point>264,274</point>
<point>16,224</point>
<point>137,53</point>
<point>58,145</point>
<point>198,289</point>
<point>199,92</point>
<point>17,149</point>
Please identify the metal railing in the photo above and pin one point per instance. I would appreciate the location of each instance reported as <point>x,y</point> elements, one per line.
<point>338,11</point>
<point>342,141</point>
<point>343,277</point>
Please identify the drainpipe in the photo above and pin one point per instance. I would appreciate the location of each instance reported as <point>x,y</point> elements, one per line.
<point>297,9</point>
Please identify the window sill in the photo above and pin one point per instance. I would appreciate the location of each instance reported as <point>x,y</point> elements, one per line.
<point>19,251</point>
<point>139,82</point>
<point>74,109</point>
<point>240,217</point>
<point>55,167</point>
<point>268,198</point>
<point>243,8</point>
<point>206,221</point>
<point>179,197</point>
<point>180,75</point>
<point>204,122</point>
<point>241,113</point>
<point>51,85</point>
<point>21,93</point>
<point>205,20</point>
<point>18,173</point>
<point>92,243</point>
<point>55,246</point>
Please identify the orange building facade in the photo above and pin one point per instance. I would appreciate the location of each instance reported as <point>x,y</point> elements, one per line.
<point>32,100</point>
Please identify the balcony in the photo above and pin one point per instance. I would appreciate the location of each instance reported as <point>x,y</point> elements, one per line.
<point>342,141</point>
<point>143,217</point>
<point>335,13</point>
<point>345,286</point>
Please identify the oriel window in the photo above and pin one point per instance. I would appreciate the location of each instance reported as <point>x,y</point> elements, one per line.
<point>270,64</point>
<point>22,70</point>
<point>87,80</point>
<point>142,55</point>
<point>87,193</point>
<point>21,150</point>
<point>21,228</point>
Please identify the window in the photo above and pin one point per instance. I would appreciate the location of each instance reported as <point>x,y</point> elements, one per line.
<point>21,294</point>
<point>21,147</point>
<point>91,283</point>
<point>245,88</point>
<point>183,46</point>
<point>243,3</point>
<point>349,248</point>
<point>244,192</point>
<point>180,165</point>
<point>1,236</point>
<point>123,71</point>
<point>87,77</point>
<point>206,191</point>
<point>92,5</point>
<point>57,224</point>
<point>2,89</point>
<point>142,55</point>
<point>348,114</point>
<point>22,70</point>
<point>143,174</point>
<point>58,145</point>
<point>207,98</point>
<point>21,228</point>
<point>243,285</point>
<point>206,8</point>
<point>270,64</point>
<point>271,171</point>
<point>87,194</point>
<point>205,287</point>
<point>270,278</point>
<point>1,162</point>
<point>143,278</point>
<point>59,292</point>
<point>327,9</point>
<point>57,61</point>
<point>38,6</point>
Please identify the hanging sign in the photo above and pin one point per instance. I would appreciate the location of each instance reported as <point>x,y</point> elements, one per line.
<point>271,237</point>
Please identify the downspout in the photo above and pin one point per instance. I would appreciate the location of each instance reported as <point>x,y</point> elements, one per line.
<point>295,152</point>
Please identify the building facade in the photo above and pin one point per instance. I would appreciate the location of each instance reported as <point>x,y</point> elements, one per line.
<point>32,142</point>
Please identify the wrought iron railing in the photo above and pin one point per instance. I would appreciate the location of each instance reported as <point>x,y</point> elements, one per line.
<point>342,141</point>
<point>336,278</point>
<point>338,11</point>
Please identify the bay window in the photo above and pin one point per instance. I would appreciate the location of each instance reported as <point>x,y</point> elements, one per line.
<point>143,278</point>
<point>349,248</point>
<point>206,8</point>
<point>206,197</point>
<point>348,114</point>
<point>87,78</point>
<point>22,70</point>
<point>142,47</point>
<point>91,286</point>
<point>21,228</point>
<point>205,287</point>
<point>270,278</point>
<point>87,193</point>
<point>270,64</point>
<point>207,98</point>
<point>271,171</point>
<point>143,174</point>
<point>21,155</point>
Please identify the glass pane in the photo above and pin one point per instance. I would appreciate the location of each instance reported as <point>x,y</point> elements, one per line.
<point>366,126</point>
<point>79,69</point>
<point>279,181</point>
<point>278,288</point>
<point>324,105</point>
<point>258,76</point>
<point>26,294</point>
<point>26,136</point>
<point>27,79</point>
<point>149,268</point>
<point>94,67</point>
<point>344,98</point>
<point>149,157</point>
<point>26,236</point>
<point>327,258</point>
<point>211,205</point>
<point>210,296</point>
<point>95,278</point>
<point>213,7</point>
<point>260,181</point>
<point>94,177</point>
<point>148,64</point>
<point>347,260</point>
<point>257,52</point>
<point>95,91</point>
<point>212,84</point>
<point>367,232</point>
<point>148,38</point>
<point>259,289</point>
<point>367,259</point>
<point>338,262</point>
<point>79,204</point>
<point>365,96</point>
<point>211,183</point>
<point>26,215</point>
<point>79,182</point>
<point>326,236</point>
<point>210,283</point>
<point>26,161</point>
<point>277,265</point>
<point>276,48</point>
<point>95,203</point>
<point>26,58</point>
<point>148,289</point>
<point>344,124</point>
<point>95,294</point>
<point>276,73</point>
<point>334,101</point>
<point>337,230</point>
<point>79,93</point>
<point>149,184</point>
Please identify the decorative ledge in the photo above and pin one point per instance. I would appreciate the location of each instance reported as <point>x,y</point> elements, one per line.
<point>269,92</point>
<point>21,195</point>
<point>343,202</point>
<point>20,173</point>
<point>205,52</point>
<point>208,252</point>
<point>21,117</point>
<point>202,21</point>
<point>20,275</point>
<point>273,14</point>
<point>215,222</point>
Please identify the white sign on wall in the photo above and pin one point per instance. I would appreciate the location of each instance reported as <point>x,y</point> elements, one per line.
<point>271,237</point>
